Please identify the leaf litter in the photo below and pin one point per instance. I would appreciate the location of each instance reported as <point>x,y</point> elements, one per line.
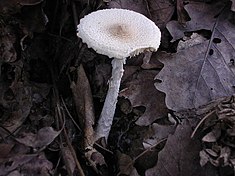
<point>183,158</point>
<point>141,92</point>
<point>204,76</point>
<point>52,90</point>
<point>217,135</point>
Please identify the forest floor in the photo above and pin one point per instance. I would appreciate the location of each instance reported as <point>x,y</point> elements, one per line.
<point>175,113</point>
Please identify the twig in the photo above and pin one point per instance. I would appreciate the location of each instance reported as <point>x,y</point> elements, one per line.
<point>103,148</point>
<point>70,116</point>
<point>148,149</point>
<point>60,37</point>
<point>60,120</point>
<point>141,154</point>
<point>199,124</point>
<point>81,173</point>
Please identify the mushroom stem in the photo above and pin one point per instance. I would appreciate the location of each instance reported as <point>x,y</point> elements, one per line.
<point>107,114</point>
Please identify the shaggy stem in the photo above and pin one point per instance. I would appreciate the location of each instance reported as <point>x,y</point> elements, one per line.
<point>107,114</point>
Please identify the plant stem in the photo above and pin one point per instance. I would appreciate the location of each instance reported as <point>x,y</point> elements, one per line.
<point>107,114</point>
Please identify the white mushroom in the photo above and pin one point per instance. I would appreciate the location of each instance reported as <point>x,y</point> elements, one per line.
<point>118,34</point>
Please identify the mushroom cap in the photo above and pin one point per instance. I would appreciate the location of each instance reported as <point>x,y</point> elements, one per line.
<point>119,33</point>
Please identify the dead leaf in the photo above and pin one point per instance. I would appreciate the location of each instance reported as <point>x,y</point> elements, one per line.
<point>101,76</point>
<point>217,143</point>
<point>161,11</point>
<point>125,164</point>
<point>150,61</point>
<point>5,149</point>
<point>135,5</point>
<point>141,92</point>
<point>33,164</point>
<point>224,158</point>
<point>43,138</point>
<point>212,136</point>
<point>19,104</point>
<point>182,15</point>
<point>201,73</point>
<point>38,166</point>
<point>95,158</point>
<point>202,17</point>
<point>204,158</point>
<point>157,133</point>
<point>84,106</point>
<point>40,92</point>
<point>187,42</point>
<point>68,160</point>
<point>180,157</point>
<point>8,40</point>
<point>134,173</point>
<point>13,6</point>
<point>9,164</point>
<point>14,173</point>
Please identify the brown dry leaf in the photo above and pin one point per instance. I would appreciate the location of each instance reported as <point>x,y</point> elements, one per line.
<point>213,136</point>
<point>140,91</point>
<point>14,173</point>
<point>204,158</point>
<point>43,138</point>
<point>13,6</point>
<point>8,40</point>
<point>129,71</point>
<point>150,61</point>
<point>18,100</point>
<point>157,133</point>
<point>181,13</point>
<point>101,76</point>
<point>68,160</point>
<point>202,17</point>
<point>180,156</point>
<point>9,164</point>
<point>201,73</point>
<point>125,164</point>
<point>5,149</point>
<point>214,132</point>
<point>84,105</point>
<point>26,165</point>
<point>135,5</point>
<point>161,11</point>
<point>188,42</point>
<point>95,159</point>
<point>39,165</point>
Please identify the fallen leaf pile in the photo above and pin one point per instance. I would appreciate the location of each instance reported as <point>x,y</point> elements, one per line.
<point>141,92</point>
<point>182,159</point>
<point>203,71</point>
<point>217,129</point>
<point>175,114</point>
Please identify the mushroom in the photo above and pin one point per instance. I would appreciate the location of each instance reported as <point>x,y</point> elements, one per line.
<point>118,34</point>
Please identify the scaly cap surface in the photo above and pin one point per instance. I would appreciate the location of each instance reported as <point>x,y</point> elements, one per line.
<point>119,33</point>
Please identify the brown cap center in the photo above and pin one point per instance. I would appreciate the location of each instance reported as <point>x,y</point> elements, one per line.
<point>120,31</point>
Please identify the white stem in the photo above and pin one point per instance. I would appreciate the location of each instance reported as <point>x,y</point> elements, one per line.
<point>107,114</point>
